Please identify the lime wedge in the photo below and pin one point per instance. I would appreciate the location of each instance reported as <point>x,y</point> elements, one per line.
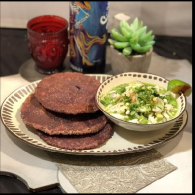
<point>177,86</point>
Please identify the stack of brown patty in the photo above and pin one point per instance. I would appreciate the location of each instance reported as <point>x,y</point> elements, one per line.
<point>64,111</point>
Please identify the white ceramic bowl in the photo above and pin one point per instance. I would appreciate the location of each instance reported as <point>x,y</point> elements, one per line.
<point>146,78</point>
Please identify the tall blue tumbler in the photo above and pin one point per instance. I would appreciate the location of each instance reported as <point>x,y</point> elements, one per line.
<point>88,35</point>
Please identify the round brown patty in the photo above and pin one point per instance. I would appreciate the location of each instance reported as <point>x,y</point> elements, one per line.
<point>33,114</point>
<point>70,93</point>
<point>81,142</point>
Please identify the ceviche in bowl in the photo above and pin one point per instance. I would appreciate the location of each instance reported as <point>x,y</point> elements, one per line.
<point>139,101</point>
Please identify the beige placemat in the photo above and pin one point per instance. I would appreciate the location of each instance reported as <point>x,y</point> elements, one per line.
<point>126,173</point>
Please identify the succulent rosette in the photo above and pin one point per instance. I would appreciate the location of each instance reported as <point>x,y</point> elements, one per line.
<point>132,37</point>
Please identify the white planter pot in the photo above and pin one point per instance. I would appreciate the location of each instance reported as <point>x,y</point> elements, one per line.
<point>134,63</point>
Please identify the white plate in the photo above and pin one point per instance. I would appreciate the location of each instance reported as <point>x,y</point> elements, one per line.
<point>123,141</point>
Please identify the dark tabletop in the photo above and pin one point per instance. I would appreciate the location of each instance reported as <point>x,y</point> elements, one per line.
<point>14,49</point>
<point>14,52</point>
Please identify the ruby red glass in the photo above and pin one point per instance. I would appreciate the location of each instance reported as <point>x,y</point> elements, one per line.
<point>48,42</point>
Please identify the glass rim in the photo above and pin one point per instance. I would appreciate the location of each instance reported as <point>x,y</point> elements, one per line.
<point>47,33</point>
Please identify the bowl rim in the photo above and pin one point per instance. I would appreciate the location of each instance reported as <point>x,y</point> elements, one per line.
<point>137,124</point>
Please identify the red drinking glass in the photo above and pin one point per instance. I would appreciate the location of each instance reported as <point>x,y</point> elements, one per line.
<point>48,42</point>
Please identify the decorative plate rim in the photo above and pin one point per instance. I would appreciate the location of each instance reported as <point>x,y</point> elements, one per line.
<point>90,151</point>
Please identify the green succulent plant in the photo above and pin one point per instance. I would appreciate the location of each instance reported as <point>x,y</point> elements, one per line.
<point>132,37</point>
